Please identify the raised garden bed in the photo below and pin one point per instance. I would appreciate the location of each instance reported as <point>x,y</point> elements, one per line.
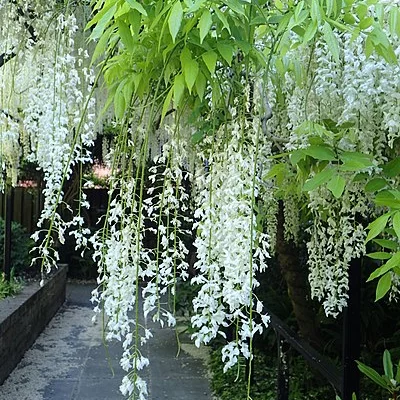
<point>23,318</point>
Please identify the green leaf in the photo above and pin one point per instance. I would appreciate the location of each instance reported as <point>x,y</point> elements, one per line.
<point>392,168</point>
<point>322,177</point>
<point>369,46</point>
<point>125,34</point>
<point>320,152</point>
<point>386,243</point>
<point>226,51</point>
<point>122,11</point>
<point>101,46</point>
<point>355,161</point>
<point>387,198</point>
<point>190,68</point>
<point>372,374</point>
<point>377,226</point>
<point>210,59</point>
<point>278,171</point>
<point>396,223</point>
<point>191,71</point>
<point>197,137</point>
<point>166,104</point>
<point>398,373</point>
<point>360,177</point>
<point>331,41</point>
<point>137,6</point>
<point>362,158</point>
<point>175,19</point>
<point>128,90</point>
<point>338,25</point>
<point>331,7</point>
<point>375,184</point>
<point>336,185</point>
<point>362,10</point>
<point>196,6</point>
<point>366,23</point>
<point>310,31</point>
<point>179,88</point>
<point>379,255</point>
<point>99,15</point>
<point>205,24</point>
<point>387,53</point>
<point>315,11</point>
<point>201,83</point>
<point>235,6</point>
<point>137,78</point>
<point>102,24</point>
<point>383,286</point>
<point>222,18</point>
<point>298,10</point>
<point>119,102</point>
<point>394,21</point>
<point>296,156</point>
<point>349,18</point>
<point>387,364</point>
<point>135,20</point>
<point>389,265</point>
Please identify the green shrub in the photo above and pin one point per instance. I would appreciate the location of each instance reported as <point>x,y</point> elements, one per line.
<point>21,245</point>
<point>9,288</point>
<point>232,385</point>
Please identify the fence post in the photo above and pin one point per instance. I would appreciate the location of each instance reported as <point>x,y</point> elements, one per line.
<point>352,333</point>
<point>9,205</point>
<point>283,369</point>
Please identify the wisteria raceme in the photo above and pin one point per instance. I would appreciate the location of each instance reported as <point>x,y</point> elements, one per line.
<point>119,252</point>
<point>10,149</point>
<point>167,211</point>
<point>229,248</point>
<point>57,121</point>
<point>335,239</point>
<point>359,92</point>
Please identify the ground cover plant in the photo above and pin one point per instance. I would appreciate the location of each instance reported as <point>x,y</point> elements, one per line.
<point>21,245</point>
<point>9,287</point>
<point>264,128</point>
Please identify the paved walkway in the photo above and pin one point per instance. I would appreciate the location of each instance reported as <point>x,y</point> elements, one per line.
<point>68,362</point>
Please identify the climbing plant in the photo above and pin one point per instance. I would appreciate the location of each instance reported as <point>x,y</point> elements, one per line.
<point>224,113</point>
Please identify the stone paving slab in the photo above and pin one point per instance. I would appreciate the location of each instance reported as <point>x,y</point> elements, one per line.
<point>69,362</point>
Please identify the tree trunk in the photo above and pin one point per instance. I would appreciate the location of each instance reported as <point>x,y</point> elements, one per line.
<point>297,284</point>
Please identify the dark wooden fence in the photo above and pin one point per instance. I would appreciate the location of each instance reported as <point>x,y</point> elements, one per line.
<point>26,207</point>
<point>27,204</point>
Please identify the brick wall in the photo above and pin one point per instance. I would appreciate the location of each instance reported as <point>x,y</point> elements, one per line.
<point>24,317</point>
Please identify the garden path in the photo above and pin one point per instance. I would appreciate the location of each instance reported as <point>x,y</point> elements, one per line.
<point>69,362</point>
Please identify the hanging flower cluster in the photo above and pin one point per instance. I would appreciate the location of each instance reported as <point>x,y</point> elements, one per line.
<point>50,82</point>
<point>230,249</point>
<point>167,211</point>
<point>336,237</point>
<point>10,149</point>
<point>358,96</point>
<point>141,251</point>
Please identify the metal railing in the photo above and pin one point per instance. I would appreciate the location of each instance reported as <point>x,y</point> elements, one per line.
<point>344,379</point>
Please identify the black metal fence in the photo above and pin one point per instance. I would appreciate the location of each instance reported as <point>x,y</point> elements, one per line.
<point>345,379</point>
